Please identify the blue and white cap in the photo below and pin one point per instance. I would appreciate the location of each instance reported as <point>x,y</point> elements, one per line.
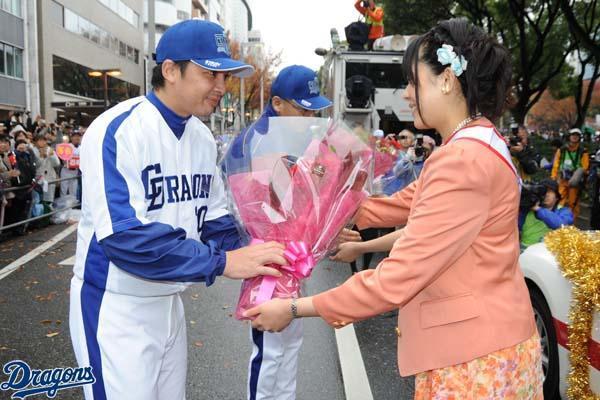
<point>300,85</point>
<point>202,42</point>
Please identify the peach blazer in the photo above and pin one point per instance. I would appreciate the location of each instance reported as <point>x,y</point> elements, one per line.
<point>454,271</point>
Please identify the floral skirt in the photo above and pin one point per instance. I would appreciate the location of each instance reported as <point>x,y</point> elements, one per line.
<point>511,373</point>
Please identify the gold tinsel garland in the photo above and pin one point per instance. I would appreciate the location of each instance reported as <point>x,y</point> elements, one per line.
<point>578,255</point>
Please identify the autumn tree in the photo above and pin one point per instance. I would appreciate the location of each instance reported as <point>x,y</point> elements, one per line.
<point>535,33</point>
<point>263,67</point>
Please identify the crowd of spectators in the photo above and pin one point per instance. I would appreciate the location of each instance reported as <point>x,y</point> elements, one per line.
<point>557,170</point>
<point>29,167</point>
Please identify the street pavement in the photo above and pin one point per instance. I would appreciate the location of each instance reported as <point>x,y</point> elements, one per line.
<point>34,303</point>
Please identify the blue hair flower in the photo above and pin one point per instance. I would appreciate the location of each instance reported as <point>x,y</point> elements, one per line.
<point>447,56</point>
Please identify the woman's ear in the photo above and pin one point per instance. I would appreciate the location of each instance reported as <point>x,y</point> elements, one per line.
<point>447,81</point>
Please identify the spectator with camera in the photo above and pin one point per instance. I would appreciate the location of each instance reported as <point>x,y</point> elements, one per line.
<point>540,212</point>
<point>524,156</point>
<point>7,173</point>
<point>405,139</point>
<point>409,164</point>
<point>570,167</point>
<point>47,162</point>
<point>373,17</point>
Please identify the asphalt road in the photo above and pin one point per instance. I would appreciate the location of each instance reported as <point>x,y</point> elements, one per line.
<point>34,304</point>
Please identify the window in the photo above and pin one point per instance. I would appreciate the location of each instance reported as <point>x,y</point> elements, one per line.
<point>73,78</point>
<point>94,33</point>
<point>104,39</point>
<point>16,8</point>
<point>181,15</point>
<point>56,13</point>
<point>123,10</point>
<point>114,45</point>
<point>84,27</point>
<point>383,75</point>
<point>136,19</point>
<point>2,67</point>
<point>71,21</point>
<point>81,26</point>
<point>10,60</point>
<point>18,63</point>
<point>12,6</point>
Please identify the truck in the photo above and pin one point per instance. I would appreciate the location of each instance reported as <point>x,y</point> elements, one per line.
<point>342,80</point>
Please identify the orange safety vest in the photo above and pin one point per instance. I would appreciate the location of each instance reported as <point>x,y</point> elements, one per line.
<point>373,18</point>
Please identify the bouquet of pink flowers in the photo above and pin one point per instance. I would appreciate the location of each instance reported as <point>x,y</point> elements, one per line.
<point>298,182</point>
<point>385,155</point>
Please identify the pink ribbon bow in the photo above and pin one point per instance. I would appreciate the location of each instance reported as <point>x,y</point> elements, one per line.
<point>301,263</point>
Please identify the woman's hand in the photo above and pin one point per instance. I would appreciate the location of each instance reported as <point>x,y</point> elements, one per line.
<point>272,316</point>
<point>347,252</point>
<point>348,235</point>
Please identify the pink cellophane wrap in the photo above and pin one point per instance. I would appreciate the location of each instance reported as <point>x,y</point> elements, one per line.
<point>301,197</point>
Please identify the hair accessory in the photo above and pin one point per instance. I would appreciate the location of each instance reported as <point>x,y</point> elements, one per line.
<point>446,55</point>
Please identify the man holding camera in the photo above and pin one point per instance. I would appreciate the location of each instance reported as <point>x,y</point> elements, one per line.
<point>523,154</point>
<point>544,215</point>
<point>373,17</point>
<point>409,164</point>
<point>571,166</point>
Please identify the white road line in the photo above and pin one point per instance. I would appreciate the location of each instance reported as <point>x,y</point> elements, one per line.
<point>354,374</point>
<point>4,272</point>
<point>68,261</point>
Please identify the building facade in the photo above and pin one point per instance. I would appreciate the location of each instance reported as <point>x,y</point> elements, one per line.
<point>166,13</point>
<point>13,93</point>
<point>238,19</point>
<point>78,43</point>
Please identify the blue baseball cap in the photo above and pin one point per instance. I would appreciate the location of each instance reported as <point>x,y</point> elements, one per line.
<point>202,42</point>
<point>300,85</point>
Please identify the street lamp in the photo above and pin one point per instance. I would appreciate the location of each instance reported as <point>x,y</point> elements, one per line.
<point>105,73</point>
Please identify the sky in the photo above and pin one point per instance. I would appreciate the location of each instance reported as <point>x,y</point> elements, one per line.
<point>299,26</point>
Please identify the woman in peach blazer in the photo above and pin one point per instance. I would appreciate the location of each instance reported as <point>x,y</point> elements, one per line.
<point>465,325</point>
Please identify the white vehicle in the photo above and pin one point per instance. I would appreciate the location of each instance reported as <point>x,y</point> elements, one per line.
<point>383,108</point>
<point>551,299</point>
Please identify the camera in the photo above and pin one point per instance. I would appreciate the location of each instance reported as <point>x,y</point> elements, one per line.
<point>419,150</point>
<point>514,140</point>
<point>531,194</point>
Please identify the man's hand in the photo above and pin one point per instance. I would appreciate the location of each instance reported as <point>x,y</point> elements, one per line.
<point>272,316</point>
<point>347,252</point>
<point>251,261</point>
<point>536,207</point>
<point>13,173</point>
<point>516,149</point>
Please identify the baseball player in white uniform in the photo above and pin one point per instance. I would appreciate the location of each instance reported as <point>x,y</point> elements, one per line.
<point>154,221</point>
<point>273,365</point>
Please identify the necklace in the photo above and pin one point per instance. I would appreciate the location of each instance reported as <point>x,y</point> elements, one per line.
<point>465,122</point>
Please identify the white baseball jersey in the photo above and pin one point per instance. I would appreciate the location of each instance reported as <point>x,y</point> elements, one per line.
<point>141,177</point>
<point>153,220</point>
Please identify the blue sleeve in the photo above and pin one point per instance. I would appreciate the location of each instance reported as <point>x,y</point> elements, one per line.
<point>555,219</point>
<point>223,232</point>
<point>566,215</point>
<point>522,216</point>
<point>158,252</point>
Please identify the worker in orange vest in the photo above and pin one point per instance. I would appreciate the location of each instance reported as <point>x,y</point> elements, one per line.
<point>373,16</point>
